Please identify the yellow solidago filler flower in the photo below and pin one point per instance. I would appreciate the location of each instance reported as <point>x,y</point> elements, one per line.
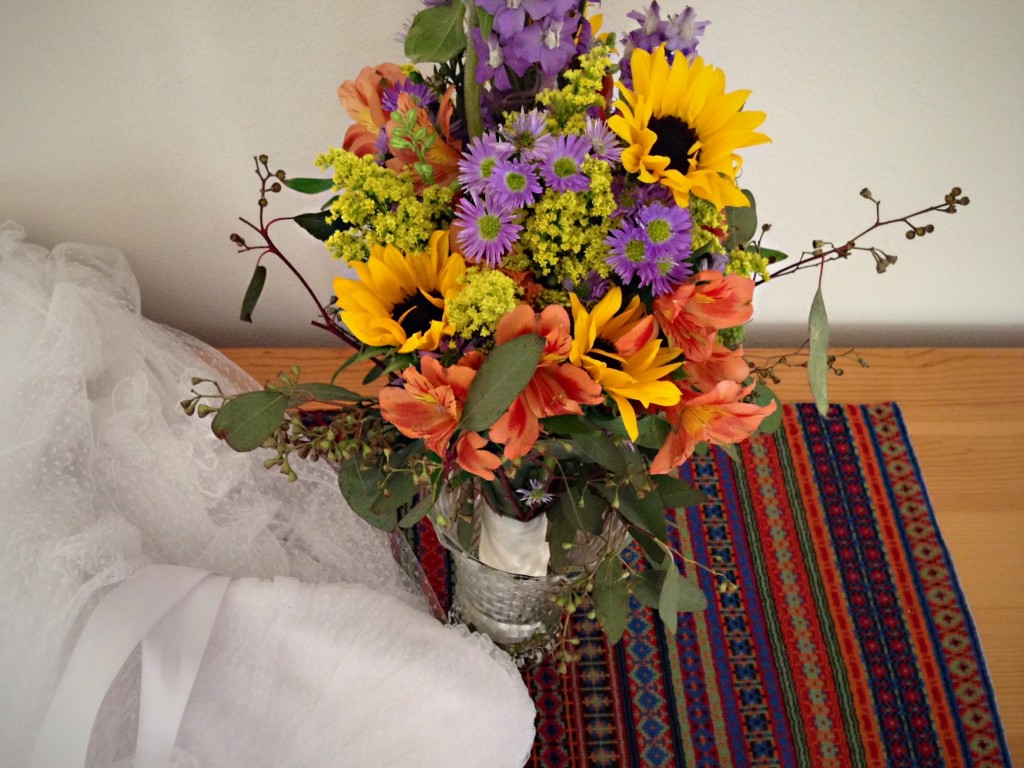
<point>487,295</point>
<point>623,353</point>
<point>380,207</point>
<point>747,264</point>
<point>399,300</point>
<point>584,90</point>
<point>563,235</point>
<point>683,129</point>
<point>709,226</point>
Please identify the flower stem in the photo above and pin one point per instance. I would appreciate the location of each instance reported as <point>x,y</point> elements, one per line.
<point>470,87</point>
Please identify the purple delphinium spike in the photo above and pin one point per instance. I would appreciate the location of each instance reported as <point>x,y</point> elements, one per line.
<point>678,32</point>
<point>490,61</point>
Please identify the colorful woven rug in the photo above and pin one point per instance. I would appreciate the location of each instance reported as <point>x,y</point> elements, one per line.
<point>848,642</point>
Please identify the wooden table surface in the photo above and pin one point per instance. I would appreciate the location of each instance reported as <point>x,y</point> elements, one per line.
<point>964,410</point>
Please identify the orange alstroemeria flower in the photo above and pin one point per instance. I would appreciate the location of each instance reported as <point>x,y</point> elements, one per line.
<point>718,417</point>
<point>557,387</point>
<point>691,315</point>
<point>429,405</point>
<point>723,364</point>
<point>361,99</point>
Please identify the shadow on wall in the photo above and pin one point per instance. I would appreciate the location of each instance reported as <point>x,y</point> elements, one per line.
<point>892,335</point>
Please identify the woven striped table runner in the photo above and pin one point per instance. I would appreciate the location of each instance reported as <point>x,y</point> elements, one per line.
<point>848,642</point>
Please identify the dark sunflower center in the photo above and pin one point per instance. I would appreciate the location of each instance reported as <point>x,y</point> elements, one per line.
<point>604,345</point>
<point>675,137</point>
<point>416,313</point>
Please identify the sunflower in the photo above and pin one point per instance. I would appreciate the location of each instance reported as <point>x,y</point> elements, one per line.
<point>398,300</point>
<point>683,128</point>
<point>623,353</point>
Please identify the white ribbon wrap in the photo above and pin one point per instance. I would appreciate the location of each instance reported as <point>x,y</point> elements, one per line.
<point>171,610</point>
<point>513,546</point>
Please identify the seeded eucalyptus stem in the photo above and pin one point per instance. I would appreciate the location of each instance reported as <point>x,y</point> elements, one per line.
<point>470,87</point>
<point>268,246</point>
<point>822,254</point>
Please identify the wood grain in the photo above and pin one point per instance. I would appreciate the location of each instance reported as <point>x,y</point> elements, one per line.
<point>964,410</point>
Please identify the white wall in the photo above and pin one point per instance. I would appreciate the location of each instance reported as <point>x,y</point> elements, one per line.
<point>132,123</point>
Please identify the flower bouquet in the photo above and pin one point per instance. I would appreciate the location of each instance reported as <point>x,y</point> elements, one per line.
<point>550,264</point>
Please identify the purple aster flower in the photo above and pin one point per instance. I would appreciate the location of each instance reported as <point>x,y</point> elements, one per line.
<point>420,94</point>
<point>590,289</point>
<point>477,164</point>
<point>486,232</point>
<point>561,164</point>
<point>663,273</point>
<point>629,250</point>
<point>514,184</point>
<point>667,228</point>
<point>603,143</point>
<point>490,61</point>
<point>535,495</point>
<point>527,132</point>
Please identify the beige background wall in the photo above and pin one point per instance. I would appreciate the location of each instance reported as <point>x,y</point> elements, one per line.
<point>132,123</point>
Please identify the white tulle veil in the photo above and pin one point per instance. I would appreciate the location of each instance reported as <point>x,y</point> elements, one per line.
<point>324,651</point>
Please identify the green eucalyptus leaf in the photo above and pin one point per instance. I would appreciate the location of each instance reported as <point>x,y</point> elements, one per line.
<point>611,598</point>
<point>363,354</point>
<point>437,34</point>
<point>245,421</point>
<point>399,491</point>
<point>316,224</point>
<point>252,293</point>
<point>360,485</point>
<point>678,494</point>
<point>654,550</point>
<point>400,458</point>
<point>742,223</point>
<point>503,375</point>
<point>583,510</point>
<point>600,449</point>
<point>417,512</point>
<point>647,513</point>
<point>309,186</point>
<point>569,424</point>
<point>647,584</point>
<point>561,532</point>
<point>325,393</point>
<point>817,356</point>
<point>762,396</point>
<point>679,595</point>
<point>654,431</point>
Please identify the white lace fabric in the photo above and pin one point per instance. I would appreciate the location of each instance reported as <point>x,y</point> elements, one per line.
<point>323,652</point>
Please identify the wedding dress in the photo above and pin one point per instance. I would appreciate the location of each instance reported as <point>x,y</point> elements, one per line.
<point>317,649</point>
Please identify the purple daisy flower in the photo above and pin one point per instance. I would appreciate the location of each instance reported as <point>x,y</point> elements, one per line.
<point>667,228</point>
<point>527,132</point>
<point>477,164</point>
<point>629,250</point>
<point>603,142</point>
<point>486,232</point>
<point>590,289</point>
<point>561,167</point>
<point>663,273</point>
<point>420,94</point>
<point>514,184</point>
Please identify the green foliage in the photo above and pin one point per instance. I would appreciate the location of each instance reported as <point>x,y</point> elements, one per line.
<point>611,598</point>
<point>437,34</point>
<point>252,293</point>
<point>317,224</point>
<point>678,595</point>
<point>817,356</point>
<point>742,223</point>
<point>503,375</point>
<point>309,186</point>
<point>246,421</point>
<point>762,396</point>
